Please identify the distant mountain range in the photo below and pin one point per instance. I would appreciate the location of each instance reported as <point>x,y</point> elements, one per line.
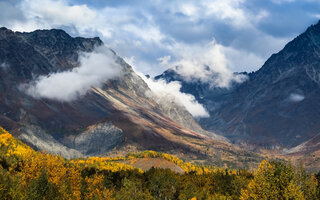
<point>118,116</point>
<point>277,107</point>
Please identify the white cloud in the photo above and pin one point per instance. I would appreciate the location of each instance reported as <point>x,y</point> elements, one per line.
<point>95,68</point>
<point>317,16</point>
<point>50,13</point>
<point>227,10</point>
<point>148,34</point>
<point>189,9</point>
<point>59,12</point>
<point>295,97</point>
<point>233,12</point>
<point>164,61</point>
<point>206,63</point>
<point>166,92</point>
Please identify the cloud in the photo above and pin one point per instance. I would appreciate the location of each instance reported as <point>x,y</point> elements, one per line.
<point>62,12</point>
<point>148,34</point>
<point>295,97</point>
<point>9,13</point>
<point>230,10</point>
<point>164,61</point>
<point>206,63</point>
<point>95,68</point>
<point>166,92</point>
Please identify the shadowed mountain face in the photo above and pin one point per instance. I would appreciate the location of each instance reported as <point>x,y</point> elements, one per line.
<point>121,113</point>
<point>278,104</point>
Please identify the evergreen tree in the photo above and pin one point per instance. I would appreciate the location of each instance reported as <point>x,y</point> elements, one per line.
<point>41,188</point>
<point>132,190</point>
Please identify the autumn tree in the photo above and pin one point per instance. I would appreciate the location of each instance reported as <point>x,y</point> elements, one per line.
<point>273,181</point>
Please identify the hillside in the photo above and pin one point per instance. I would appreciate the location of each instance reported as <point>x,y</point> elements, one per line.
<point>27,174</point>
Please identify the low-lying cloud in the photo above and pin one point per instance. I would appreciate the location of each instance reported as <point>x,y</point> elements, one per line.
<point>166,92</point>
<point>294,97</point>
<point>206,63</point>
<point>95,68</point>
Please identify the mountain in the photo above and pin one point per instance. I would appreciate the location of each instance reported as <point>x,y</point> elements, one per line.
<point>118,116</point>
<point>277,106</point>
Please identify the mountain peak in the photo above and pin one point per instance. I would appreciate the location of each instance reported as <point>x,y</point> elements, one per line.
<point>317,25</point>
<point>51,32</point>
<point>48,36</point>
<point>314,29</point>
<point>3,28</point>
<point>4,32</point>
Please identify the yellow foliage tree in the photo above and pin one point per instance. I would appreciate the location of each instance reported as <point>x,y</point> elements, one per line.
<point>273,181</point>
<point>96,190</point>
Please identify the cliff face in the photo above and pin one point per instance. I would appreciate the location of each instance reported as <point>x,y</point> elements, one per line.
<point>117,115</point>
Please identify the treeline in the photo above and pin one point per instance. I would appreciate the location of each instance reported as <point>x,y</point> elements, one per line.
<point>27,174</point>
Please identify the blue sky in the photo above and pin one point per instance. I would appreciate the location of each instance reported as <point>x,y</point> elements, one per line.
<point>153,35</point>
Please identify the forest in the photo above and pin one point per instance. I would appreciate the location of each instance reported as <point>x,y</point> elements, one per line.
<point>29,174</point>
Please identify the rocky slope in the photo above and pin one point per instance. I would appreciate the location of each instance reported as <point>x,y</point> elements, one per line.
<point>117,116</point>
